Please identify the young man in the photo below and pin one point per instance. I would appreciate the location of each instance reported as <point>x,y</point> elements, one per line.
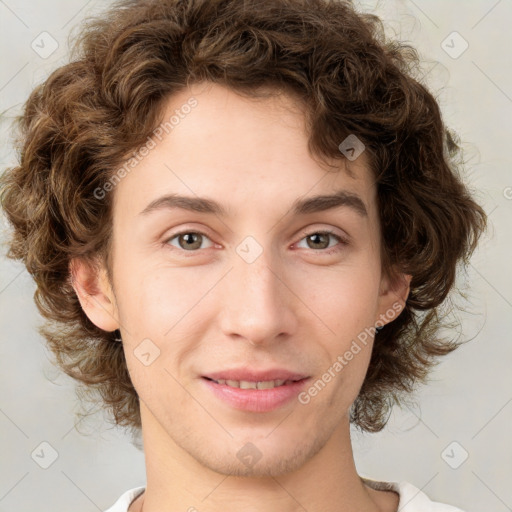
<point>240,213</point>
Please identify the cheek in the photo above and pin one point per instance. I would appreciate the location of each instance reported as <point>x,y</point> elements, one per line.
<point>157,307</point>
<point>156,300</point>
<point>345,303</point>
<point>164,311</point>
<point>345,299</point>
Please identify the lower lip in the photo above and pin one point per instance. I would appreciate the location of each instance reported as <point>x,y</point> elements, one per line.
<point>256,400</point>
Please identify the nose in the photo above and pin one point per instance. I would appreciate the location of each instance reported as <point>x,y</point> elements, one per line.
<point>256,303</point>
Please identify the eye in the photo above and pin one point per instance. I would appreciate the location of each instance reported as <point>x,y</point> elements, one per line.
<point>189,240</point>
<point>321,240</point>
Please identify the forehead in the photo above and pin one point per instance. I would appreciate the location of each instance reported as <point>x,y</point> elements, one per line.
<point>246,153</point>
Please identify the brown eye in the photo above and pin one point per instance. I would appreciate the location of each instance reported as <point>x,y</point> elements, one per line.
<point>318,240</point>
<point>188,240</point>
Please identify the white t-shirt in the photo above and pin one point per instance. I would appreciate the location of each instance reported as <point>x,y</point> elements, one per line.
<point>411,498</point>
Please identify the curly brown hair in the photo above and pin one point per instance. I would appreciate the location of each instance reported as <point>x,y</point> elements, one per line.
<point>91,114</point>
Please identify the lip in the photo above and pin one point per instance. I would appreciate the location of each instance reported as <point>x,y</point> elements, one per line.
<point>256,400</point>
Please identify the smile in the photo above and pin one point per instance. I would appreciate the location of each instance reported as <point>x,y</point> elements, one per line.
<point>255,396</point>
<point>246,384</point>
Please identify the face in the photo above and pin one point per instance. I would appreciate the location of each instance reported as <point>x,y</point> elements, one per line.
<point>270,280</point>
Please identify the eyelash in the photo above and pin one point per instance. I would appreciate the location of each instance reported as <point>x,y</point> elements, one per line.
<point>342,241</point>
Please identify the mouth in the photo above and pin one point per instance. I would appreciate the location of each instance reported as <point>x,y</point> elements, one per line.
<point>247,384</point>
<point>256,395</point>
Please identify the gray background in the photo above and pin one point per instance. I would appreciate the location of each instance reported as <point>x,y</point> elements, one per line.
<point>467,402</point>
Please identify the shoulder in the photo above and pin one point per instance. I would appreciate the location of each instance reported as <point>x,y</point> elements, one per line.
<point>124,501</point>
<point>411,498</point>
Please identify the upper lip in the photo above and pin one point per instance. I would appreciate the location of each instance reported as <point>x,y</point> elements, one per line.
<point>255,376</point>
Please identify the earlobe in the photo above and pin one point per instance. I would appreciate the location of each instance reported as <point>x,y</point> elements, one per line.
<point>95,294</point>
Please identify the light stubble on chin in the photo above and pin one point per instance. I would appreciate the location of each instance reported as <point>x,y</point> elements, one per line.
<point>271,464</point>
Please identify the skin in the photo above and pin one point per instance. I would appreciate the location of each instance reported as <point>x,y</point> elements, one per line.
<point>208,309</point>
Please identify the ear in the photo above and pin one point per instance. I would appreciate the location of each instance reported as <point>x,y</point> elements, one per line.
<point>393,293</point>
<point>91,284</point>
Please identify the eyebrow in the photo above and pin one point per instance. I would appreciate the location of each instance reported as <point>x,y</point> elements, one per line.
<point>314,204</point>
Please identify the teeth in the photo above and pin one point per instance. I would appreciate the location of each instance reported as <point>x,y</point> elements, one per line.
<point>267,384</point>
<point>245,384</point>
